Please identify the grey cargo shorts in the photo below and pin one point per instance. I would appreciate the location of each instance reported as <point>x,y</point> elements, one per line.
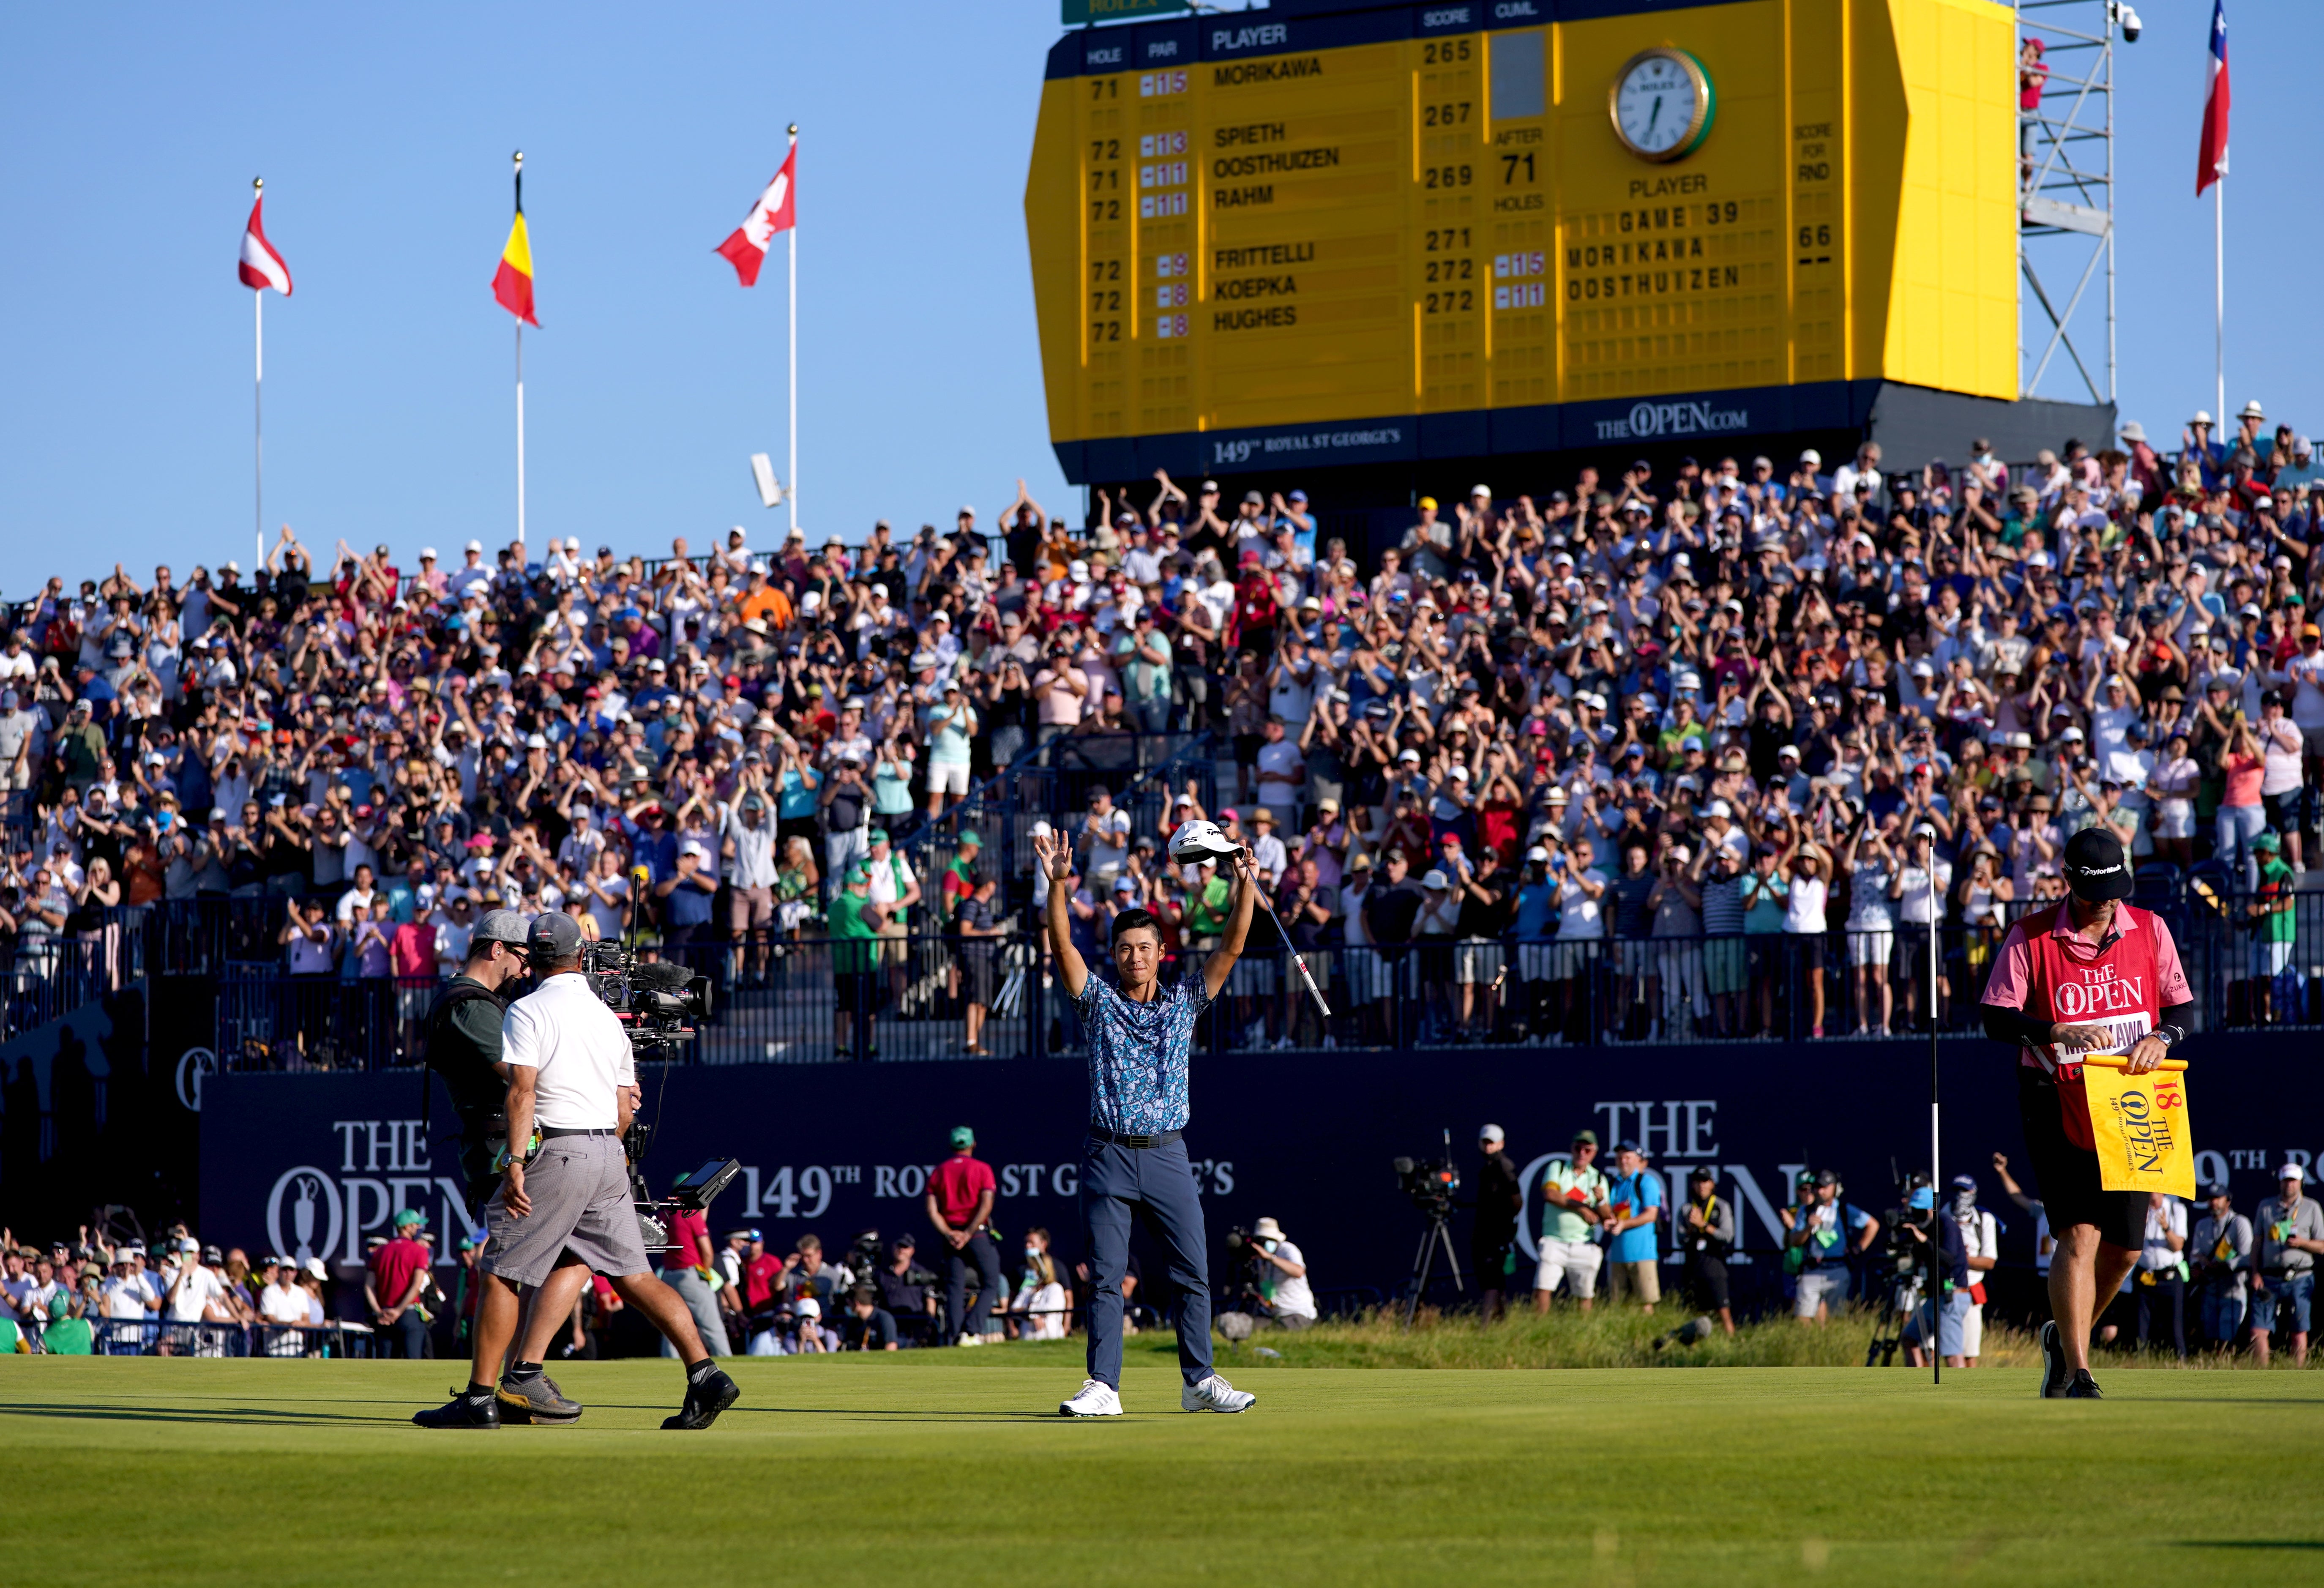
<point>580,1192</point>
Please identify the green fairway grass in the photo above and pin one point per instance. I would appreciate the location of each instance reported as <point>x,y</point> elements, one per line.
<point>952,1466</point>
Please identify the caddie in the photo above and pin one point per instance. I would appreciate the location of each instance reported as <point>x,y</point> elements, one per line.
<point>2090,976</point>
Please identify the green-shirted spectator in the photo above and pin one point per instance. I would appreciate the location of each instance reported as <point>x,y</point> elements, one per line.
<point>1142,655</point>
<point>2274,925</point>
<point>79,747</point>
<point>1572,1206</point>
<point>959,879</point>
<point>1207,907</point>
<point>852,922</point>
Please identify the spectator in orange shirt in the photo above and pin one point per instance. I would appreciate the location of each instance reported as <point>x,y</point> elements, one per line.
<point>765,601</point>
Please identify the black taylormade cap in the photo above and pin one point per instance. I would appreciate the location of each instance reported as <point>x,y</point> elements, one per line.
<point>2097,869</point>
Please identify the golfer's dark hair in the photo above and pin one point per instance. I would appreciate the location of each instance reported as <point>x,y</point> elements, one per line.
<point>1130,920</point>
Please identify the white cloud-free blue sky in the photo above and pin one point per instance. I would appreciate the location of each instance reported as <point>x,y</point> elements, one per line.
<point>129,135</point>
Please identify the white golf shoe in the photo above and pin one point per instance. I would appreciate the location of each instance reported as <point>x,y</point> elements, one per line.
<point>1095,1400</point>
<point>1214,1394</point>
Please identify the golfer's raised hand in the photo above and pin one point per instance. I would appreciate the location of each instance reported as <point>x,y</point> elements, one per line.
<point>1056,856</point>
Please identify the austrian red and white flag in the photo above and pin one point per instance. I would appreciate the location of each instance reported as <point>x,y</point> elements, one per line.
<point>776,211</point>
<point>2211,158</point>
<point>261,266</point>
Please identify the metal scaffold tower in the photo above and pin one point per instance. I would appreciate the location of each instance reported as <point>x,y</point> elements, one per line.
<point>2065,180</point>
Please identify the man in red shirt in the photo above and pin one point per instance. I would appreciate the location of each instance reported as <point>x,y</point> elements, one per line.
<point>2088,976</point>
<point>399,1273</point>
<point>960,1202</point>
<point>685,1267</point>
<point>762,1272</point>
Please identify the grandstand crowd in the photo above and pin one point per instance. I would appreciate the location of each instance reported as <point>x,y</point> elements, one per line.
<point>1754,698</point>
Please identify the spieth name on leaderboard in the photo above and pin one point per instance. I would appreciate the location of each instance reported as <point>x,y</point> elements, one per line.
<point>1382,213</point>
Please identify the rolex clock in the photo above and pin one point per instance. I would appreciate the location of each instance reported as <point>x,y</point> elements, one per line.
<point>1662,104</point>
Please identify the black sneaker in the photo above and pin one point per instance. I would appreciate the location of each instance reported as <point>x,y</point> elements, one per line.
<point>705,1397</point>
<point>463,1413</point>
<point>2084,1387</point>
<point>536,1400</point>
<point>2055,1374</point>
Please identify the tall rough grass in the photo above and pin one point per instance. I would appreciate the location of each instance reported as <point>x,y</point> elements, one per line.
<point>1617,1337</point>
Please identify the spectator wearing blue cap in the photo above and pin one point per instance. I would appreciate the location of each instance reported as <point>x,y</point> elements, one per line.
<point>1633,1211</point>
<point>1945,1300</point>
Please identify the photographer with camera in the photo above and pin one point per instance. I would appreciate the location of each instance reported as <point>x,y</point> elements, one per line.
<point>564,1206</point>
<point>1939,1252</point>
<point>1286,1300</point>
<point>461,1034</point>
<point>1706,1235</point>
<point>1822,1237</point>
<point>1492,1240</point>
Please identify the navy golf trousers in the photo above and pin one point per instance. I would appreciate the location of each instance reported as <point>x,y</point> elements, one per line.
<point>1156,1183</point>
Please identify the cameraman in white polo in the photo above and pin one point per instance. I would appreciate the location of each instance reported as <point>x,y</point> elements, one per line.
<point>1283,1279</point>
<point>565,1209</point>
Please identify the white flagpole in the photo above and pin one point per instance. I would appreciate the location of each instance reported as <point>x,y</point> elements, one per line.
<point>1936,1127</point>
<point>258,415</point>
<point>520,432</point>
<point>2220,286</point>
<point>794,334</point>
<point>520,377</point>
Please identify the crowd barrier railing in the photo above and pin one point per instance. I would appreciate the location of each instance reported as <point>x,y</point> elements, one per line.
<point>2251,959</point>
<point>101,1336</point>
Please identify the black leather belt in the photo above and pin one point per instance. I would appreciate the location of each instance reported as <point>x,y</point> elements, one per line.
<point>1100,1133</point>
<point>550,1132</point>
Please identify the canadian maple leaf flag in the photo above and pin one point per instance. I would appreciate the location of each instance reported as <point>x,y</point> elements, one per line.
<point>776,211</point>
<point>261,266</point>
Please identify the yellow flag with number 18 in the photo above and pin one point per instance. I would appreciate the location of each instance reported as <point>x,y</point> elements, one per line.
<point>2140,1125</point>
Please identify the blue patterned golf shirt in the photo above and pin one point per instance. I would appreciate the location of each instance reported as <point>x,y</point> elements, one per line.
<point>1138,1054</point>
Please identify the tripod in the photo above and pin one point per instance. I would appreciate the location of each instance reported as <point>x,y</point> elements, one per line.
<point>1423,1262</point>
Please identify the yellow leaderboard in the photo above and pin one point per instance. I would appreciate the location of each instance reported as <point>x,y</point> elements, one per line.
<point>1515,225</point>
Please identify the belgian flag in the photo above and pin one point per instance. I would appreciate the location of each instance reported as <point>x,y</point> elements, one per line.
<point>512,282</point>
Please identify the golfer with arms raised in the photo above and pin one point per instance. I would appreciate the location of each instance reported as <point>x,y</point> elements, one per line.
<point>1134,1161</point>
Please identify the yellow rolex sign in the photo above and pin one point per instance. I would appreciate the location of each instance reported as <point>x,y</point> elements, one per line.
<point>2140,1125</point>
